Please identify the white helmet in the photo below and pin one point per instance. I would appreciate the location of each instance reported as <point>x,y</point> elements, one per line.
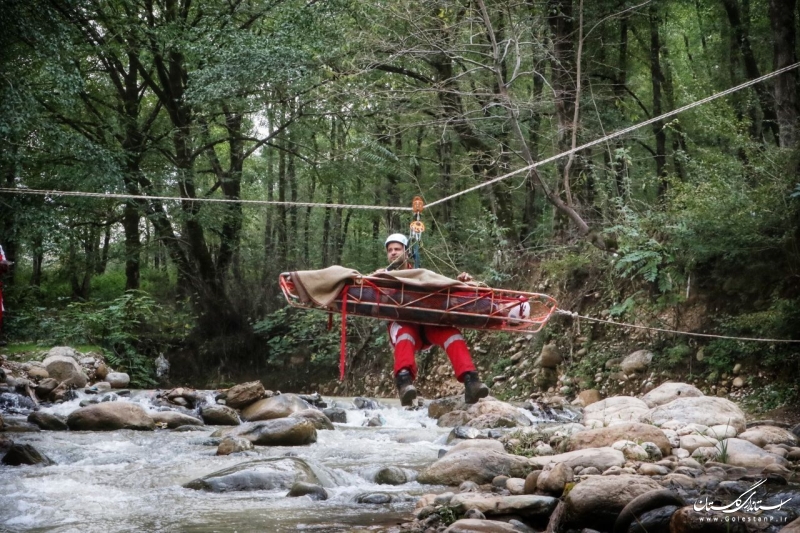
<point>397,237</point>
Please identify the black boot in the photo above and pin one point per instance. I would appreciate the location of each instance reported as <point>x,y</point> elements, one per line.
<point>474,389</point>
<point>405,387</point>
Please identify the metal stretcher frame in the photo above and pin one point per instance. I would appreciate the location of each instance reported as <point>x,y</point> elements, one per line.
<point>461,306</point>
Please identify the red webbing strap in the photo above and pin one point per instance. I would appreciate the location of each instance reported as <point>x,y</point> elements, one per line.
<point>343,342</point>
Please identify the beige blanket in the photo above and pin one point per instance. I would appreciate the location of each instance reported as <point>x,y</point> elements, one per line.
<point>323,286</point>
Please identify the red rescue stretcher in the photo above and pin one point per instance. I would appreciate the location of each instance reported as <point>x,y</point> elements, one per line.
<point>462,306</point>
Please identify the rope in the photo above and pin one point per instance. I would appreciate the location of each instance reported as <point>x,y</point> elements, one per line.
<point>42,192</point>
<point>576,315</point>
<point>617,134</point>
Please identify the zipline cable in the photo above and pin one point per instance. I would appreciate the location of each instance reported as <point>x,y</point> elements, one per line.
<point>662,330</point>
<point>617,133</point>
<point>42,192</point>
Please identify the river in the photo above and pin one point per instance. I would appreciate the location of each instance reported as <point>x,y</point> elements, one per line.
<point>132,480</point>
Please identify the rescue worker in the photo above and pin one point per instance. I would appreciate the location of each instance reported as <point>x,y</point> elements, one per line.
<point>408,338</point>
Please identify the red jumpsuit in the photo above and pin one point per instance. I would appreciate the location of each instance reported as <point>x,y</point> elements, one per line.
<point>407,338</point>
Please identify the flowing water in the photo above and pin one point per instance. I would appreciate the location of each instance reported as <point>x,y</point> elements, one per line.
<point>132,480</point>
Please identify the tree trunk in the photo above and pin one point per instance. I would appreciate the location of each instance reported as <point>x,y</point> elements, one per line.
<point>782,20</point>
<point>657,80</point>
<point>752,71</point>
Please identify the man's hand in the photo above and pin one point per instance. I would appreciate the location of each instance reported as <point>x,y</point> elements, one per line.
<point>464,277</point>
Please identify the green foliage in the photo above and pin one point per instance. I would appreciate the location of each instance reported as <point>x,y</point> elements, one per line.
<point>447,514</point>
<point>290,331</point>
<point>676,355</point>
<point>639,253</point>
<point>132,329</point>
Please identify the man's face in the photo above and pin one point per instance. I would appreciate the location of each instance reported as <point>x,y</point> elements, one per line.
<point>394,250</point>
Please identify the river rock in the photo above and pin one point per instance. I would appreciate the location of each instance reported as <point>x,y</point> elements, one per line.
<point>597,500</point>
<point>276,407</point>
<point>48,421</point>
<point>174,419</point>
<point>63,351</point>
<point>600,458</point>
<point>636,431</point>
<point>475,525</point>
<point>614,409</point>
<point>316,417</point>
<point>38,371</point>
<point>706,410</point>
<point>487,409</point>
<point>721,431</point>
<point>457,418</point>
<point>638,361</point>
<point>336,414</point>
<point>244,394</point>
<point>493,505</point>
<point>763,435</point>
<point>219,415</point>
<point>110,416</point>
<point>25,454</point>
<point>553,479</point>
<point>631,450</point>
<point>666,392</point>
<point>390,475</point>
<point>231,444</point>
<point>65,370</point>
<point>442,406</point>
<point>692,442</point>
<point>792,527</point>
<point>260,474</point>
<point>278,432</point>
<point>45,387</point>
<point>301,488</point>
<point>477,465</point>
<point>550,356</point>
<point>118,380</point>
<point>478,444</point>
<point>588,397</point>
<point>744,453</point>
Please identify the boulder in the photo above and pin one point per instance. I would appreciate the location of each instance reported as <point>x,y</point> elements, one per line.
<point>706,410</point>
<point>550,356</point>
<point>260,474</point>
<point>231,444</point>
<point>493,505</point>
<point>244,394</point>
<point>301,488</point>
<point>638,361</point>
<point>490,410</point>
<point>588,397</point>
<point>276,407</point>
<point>118,380</point>
<point>390,475</point>
<point>478,444</point>
<point>174,419</point>
<point>597,500</point>
<point>336,415</point>
<point>740,452</point>
<point>636,431</point>
<point>48,421</point>
<point>65,370</point>
<point>278,432</point>
<point>475,525</point>
<point>692,442</point>
<point>666,392</point>
<point>62,351</point>
<point>615,409</point>
<point>721,431</point>
<point>110,416</point>
<point>316,417</point>
<point>631,450</point>
<point>45,387</point>
<point>553,479</point>
<point>25,454</point>
<point>442,406</point>
<point>478,465</point>
<point>219,415</point>
<point>600,458</point>
<point>763,435</point>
